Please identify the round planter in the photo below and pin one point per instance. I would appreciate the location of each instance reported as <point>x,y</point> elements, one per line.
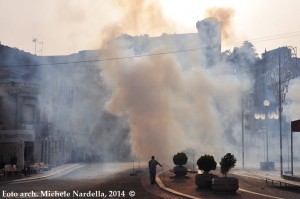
<point>229,184</point>
<point>267,166</point>
<point>203,180</point>
<point>180,171</point>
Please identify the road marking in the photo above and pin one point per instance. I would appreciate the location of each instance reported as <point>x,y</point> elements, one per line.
<point>38,178</point>
<point>252,192</point>
<point>259,194</point>
<point>250,176</point>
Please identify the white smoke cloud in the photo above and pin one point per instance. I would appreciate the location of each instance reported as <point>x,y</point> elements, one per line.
<point>293,100</point>
<point>169,108</point>
<point>291,112</point>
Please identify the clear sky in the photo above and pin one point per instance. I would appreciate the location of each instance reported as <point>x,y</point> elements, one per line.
<point>68,26</point>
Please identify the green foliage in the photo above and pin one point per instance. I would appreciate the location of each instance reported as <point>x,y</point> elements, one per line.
<point>180,159</point>
<point>206,163</point>
<point>227,163</point>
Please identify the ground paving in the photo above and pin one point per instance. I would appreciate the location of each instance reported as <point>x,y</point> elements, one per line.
<point>252,184</point>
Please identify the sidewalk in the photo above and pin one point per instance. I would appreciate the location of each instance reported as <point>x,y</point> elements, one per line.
<point>272,176</point>
<point>45,174</point>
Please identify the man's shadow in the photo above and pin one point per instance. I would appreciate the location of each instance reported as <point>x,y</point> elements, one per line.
<point>181,179</point>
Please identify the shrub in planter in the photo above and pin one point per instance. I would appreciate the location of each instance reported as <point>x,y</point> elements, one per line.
<point>179,160</point>
<point>227,163</point>
<point>267,166</point>
<point>227,184</point>
<point>205,163</point>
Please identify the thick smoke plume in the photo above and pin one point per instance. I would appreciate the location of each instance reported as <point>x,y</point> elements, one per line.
<point>143,93</point>
<point>225,15</point>
<point>138,17</point>
<point>169,108</point>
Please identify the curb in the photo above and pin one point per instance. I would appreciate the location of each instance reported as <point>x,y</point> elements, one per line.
<point>162,186</point>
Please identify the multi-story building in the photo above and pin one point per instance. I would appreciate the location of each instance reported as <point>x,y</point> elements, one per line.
<point>19,115</point>
<point>278,65</point>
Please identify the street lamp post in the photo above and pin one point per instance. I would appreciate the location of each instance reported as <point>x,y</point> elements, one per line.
<point>266,105</point>
<point>243,136</point>
<point>259,116</point>
<point>267,165</point>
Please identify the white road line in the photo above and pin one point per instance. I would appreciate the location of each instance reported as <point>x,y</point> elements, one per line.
<point>250,176</point>
<point>38,178</point>
<point>259,194</point>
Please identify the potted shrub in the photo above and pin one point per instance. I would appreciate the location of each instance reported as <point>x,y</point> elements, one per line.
<point>227,184</point>
<point>205,163</point>
<point>179,160</point>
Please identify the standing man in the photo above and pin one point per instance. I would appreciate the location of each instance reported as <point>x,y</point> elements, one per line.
<point>152,169</point>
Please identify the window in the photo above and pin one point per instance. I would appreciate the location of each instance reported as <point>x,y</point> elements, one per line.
<point>28,152</point>
<point>28,113</point>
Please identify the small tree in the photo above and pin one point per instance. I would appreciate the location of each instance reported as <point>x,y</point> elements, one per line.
<point>206,163</point>
<point>180,159</point>
<point>227,163</point>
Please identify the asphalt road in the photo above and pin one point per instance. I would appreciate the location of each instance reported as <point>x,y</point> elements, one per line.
<point>97,180</point>
<point>113,180</point>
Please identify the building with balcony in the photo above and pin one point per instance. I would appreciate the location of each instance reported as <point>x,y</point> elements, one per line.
<point>19,114</point>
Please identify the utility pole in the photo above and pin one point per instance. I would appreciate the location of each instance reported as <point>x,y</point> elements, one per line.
<point>280,114</point>
<point>243,138</point>
<point>278,79</point>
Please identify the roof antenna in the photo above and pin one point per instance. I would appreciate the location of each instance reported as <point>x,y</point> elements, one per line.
<point>35,40</point>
